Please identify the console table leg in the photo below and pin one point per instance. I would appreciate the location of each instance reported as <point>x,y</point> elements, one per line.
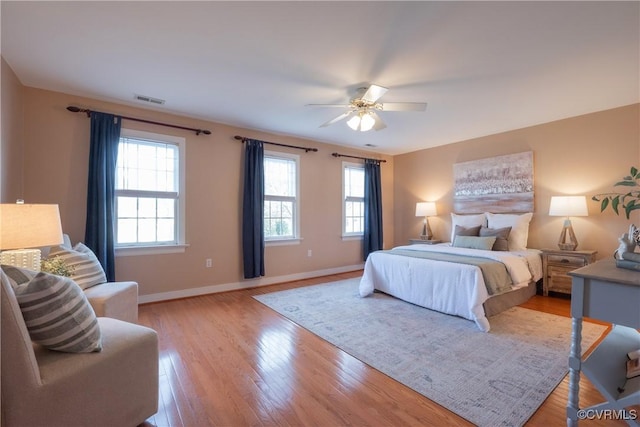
<point>575,360</point>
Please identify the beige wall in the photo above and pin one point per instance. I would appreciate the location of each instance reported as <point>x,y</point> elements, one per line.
<point>56,153</point>
<point>11,152</point>
<point>580,155</point>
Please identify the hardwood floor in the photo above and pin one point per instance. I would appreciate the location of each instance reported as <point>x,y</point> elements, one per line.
<point>228,360</point>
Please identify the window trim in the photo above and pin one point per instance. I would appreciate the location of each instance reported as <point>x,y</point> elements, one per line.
<point>352,235</point>
<point>279,240</point>
<point>180,243</point>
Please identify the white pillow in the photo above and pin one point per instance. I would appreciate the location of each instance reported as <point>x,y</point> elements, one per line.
<point>519,228</point>
<point>466,221</point>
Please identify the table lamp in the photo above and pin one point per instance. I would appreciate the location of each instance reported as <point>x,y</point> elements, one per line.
<point>568,206</point>
<point>24,226</point>
<point>426,209</point>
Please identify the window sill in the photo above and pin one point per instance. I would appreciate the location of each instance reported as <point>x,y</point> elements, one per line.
<point>282,242</point>
<point>347,237</point>
<point>151,250</point>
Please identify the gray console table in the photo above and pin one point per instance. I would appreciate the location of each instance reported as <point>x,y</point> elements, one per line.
<point>603,291</point>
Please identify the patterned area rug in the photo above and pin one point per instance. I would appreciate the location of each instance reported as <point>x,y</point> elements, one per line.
<point>493,379</point>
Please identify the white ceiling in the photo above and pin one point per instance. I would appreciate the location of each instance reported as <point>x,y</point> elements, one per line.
<point>483,67</point>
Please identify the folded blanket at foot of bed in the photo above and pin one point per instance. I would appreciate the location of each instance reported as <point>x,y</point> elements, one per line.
<point>495,274</point>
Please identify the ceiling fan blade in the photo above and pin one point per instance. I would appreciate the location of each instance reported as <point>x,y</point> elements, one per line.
<point>403,106</point>
<point>374,93</point>
<point>336,119</point>
<point>379,124</point>
<point>329,105</point>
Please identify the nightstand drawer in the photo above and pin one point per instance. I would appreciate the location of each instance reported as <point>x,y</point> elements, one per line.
<point>558,280</point>
<point>557,264</point>
<point>566,260</point>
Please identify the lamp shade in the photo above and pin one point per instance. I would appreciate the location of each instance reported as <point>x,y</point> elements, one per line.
<point>29,226</point>
<point>363,121</point>
<point>426,209</point>
<point>568,206</point>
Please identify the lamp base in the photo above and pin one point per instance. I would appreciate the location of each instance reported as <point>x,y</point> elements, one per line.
<point>426,230</point>
<point>23,258</point>
<point>564,243</point>
<point>567,246</point>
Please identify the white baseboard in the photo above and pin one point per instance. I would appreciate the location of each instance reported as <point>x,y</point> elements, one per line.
<point>245,284</point>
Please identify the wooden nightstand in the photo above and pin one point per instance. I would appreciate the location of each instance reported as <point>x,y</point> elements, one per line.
<point>557,263</point>
<point>423,242</point>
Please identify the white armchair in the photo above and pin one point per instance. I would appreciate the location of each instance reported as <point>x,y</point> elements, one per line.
<point>118,300</point>
<point>115,387</point>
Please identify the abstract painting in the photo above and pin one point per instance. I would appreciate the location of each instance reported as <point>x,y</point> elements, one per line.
<point>498,184</point>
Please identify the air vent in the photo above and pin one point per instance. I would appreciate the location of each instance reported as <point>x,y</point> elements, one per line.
<point>149,99</point>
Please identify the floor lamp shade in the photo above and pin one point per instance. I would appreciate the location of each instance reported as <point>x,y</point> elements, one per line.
<point>24,226</point>
<point>568,206</point>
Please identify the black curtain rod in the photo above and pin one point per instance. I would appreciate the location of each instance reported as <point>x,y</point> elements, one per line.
<point>197,131</point>
<point>306,149</point>
<point>357,157</point>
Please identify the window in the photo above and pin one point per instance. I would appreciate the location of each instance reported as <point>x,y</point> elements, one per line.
<point>353,199</point>
<point>280,196</point>
<point>149,196</point>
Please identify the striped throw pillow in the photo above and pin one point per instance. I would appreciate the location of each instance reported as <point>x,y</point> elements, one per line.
<point>87,270</point>
<point>58,315</point>
<point>17,275</point>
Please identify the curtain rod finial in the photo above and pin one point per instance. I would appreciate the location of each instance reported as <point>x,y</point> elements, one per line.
<point>75,109</point>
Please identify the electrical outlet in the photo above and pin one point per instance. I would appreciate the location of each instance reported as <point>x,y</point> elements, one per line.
<point>208,262</point>
<point>309,252</point>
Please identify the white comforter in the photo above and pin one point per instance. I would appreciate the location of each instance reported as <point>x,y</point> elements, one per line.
<point>451,288</point>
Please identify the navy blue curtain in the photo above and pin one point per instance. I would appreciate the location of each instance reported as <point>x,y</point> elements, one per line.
<point>252,210</point>
<point>372,238</point>
<point>103,155</point>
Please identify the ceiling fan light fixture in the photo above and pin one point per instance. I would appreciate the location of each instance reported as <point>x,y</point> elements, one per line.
<point>361,110</point>
<point>366,122</point>
<point>354,122</point>
<point>363,121</point>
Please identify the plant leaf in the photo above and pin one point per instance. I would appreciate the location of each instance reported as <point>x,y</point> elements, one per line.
<point>626,183</point>
<point>614,204</point>
<point>630,207</point>
<point>634,171</point>
<point>604,204</point>
<point>634,208</point>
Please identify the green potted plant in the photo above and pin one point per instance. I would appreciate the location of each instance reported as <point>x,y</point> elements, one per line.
<point>628,201</point>
<point>57,266</point>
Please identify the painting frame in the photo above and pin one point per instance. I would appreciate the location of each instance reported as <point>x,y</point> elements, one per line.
<point>501,184</point>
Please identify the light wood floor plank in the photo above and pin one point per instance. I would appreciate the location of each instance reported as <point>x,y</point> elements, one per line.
<point>228,360</point>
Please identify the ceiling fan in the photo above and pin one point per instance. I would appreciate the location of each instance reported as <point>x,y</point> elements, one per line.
<point>361,109</point>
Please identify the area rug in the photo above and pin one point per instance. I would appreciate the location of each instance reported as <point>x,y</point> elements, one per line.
<point>499,378</point>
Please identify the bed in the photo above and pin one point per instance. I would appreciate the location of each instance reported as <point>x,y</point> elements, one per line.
<point>451,278</point>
